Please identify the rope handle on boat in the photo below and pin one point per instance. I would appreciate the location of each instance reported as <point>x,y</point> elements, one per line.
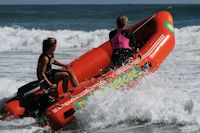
<point>140,55</point>
<point>143,24</point>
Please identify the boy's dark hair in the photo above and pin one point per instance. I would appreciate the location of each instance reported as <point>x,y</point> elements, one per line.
<point>48,43</point>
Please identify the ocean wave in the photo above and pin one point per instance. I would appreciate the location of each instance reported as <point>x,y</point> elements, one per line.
<point>9,87</point>
<point>17,38</point>
<point>154,100</point>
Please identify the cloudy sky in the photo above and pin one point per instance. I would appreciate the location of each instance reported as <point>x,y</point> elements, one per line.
<point>99,1</point>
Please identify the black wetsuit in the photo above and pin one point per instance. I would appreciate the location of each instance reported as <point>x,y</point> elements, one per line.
<point>122,55</point>
<point>50,73</point>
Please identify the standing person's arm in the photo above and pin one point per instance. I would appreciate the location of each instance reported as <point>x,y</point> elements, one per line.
<point>111,35</point>
<point>133,44</point>
<point>110,38</point>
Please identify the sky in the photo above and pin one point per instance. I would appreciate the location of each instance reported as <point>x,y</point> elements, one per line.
<point>99,2</point>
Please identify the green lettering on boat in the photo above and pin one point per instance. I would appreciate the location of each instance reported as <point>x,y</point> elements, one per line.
<point>116,83</point>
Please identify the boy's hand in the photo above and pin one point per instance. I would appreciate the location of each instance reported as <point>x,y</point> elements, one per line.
<point>53,86</point>
<point>67,66</point>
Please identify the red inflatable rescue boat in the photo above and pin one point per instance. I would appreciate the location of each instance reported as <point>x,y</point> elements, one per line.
<point>155,35</point>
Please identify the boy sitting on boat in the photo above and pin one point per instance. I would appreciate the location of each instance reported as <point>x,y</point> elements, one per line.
<point>51,76</point>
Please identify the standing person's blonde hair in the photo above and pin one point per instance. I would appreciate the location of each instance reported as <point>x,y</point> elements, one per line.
<point>122,21</point>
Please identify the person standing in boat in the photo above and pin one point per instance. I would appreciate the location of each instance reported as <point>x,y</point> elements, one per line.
<point>51,76</point>
<point>122,42</point>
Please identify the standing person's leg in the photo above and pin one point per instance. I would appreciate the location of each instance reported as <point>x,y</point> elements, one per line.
<point>116,58</point>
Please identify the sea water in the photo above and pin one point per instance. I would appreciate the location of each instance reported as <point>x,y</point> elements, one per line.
<point>165,101</point>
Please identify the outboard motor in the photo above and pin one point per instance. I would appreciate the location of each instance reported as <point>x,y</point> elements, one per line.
<point>33,96</point>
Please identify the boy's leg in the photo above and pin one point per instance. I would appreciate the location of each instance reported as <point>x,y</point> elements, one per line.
<point>64,77</point>
<point>73,79</point>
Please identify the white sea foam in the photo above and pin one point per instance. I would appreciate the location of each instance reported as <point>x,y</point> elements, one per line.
<point>24,125</point>
<point>31,40</point>
<point>153,100</point>
<point>9,87</point>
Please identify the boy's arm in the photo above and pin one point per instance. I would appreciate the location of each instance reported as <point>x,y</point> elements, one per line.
<point>58,63</point>
<point>44,63</point>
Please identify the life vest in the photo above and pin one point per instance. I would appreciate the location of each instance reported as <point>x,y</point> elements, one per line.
<point>119,41</point>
